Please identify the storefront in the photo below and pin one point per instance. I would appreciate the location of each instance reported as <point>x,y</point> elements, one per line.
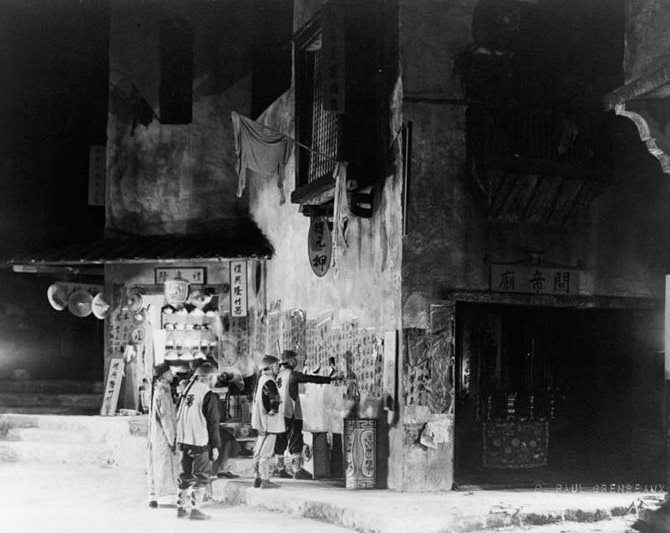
<point>175,299</point>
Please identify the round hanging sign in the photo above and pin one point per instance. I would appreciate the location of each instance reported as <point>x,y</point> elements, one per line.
<point>319,246</point>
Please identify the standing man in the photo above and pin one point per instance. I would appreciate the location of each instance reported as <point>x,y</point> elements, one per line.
<point>161,470</point>
<point>288,380</point>
<point>198,437</point>
<point>266,420</point>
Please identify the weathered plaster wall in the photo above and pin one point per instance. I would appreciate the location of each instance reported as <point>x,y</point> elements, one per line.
<point>619,240</point>
<point>176,178</point>
<point>441,27</point>
<point>647,37</point>
<point>449,235</point>
<point>366,282</point>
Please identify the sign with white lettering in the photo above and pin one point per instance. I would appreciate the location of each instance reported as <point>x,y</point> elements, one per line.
<point>192,275</point>
<point>112,387</point>
<point>319,246</point>
<point>534,279</point>
<point>238,288</point>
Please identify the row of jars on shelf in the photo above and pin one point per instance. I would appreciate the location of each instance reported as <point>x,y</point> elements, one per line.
<point>196,319</point>
<point>191,353</point>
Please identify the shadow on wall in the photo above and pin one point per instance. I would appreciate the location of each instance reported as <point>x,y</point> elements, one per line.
<point>37,342</point>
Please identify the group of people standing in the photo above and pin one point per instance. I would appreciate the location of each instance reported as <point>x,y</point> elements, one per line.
<point>277,417</point>
<point>191,428</point>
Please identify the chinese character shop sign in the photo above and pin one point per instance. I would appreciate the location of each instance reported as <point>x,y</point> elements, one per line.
<point>319,246</point>
<point>238,288</point>
<point>534,279</point>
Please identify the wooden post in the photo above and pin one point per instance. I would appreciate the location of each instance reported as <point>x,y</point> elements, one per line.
<point>666,378</point>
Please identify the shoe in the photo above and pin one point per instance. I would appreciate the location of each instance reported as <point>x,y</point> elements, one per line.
<point>267,484</point>
<point>153,504</point>
<point>283,474</point>
<point>257,482</point>
<point>181,512</point>
<point>196,514</point>
<point>302,474</point>
<point>227,475</point>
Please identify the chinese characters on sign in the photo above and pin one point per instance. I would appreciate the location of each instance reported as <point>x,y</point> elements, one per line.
<point>192,275</point>
<point>319,246</point>
<point>238,288</point>
<point>113,387</point>
<point>534,279</point>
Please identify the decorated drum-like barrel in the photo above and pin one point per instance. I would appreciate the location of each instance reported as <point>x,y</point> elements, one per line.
<point>360,453</point>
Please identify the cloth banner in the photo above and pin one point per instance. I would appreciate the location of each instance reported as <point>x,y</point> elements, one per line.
<point>260,148</point>
<point>322,408</point>
<point>341,211</point>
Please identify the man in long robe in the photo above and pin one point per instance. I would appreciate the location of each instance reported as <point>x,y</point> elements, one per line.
<point>161,471</point>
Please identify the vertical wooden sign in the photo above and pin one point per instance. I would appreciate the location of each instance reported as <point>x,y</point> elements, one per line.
<point>112,387</point>
<point>238,288</point>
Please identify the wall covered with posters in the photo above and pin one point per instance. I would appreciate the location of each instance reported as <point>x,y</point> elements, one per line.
<point>342,316</point>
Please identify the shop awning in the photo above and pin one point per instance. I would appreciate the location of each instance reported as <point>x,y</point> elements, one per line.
<point>241,241</point>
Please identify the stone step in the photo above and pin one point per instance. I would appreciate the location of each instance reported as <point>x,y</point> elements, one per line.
<point>120,426</point>
<point>105,441</point>
<point>84,436</point>
<point>48,410</point>
<point>242,466</point>
<point>129,454</point>
<point>53,386</point>
<point>32,399</point>
<point>58,453</point>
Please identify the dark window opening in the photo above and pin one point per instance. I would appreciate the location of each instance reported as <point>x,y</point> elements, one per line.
<point>271,70</point>
<point>176,62</point>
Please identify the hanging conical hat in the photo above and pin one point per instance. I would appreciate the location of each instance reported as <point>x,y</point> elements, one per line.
<point>133,302</point>
<point>79,303</point>
<point>100,306</point>
<point>57,296</point>
<point>199,298</point>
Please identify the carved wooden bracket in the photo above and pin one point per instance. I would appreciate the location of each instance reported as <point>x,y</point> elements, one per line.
<point>644,131</point>
<point>645,94</point>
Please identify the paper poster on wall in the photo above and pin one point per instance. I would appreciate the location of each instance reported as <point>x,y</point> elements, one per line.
<point>112,387</point>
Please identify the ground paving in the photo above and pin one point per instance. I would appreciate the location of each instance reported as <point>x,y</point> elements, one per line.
<point>384,511</point>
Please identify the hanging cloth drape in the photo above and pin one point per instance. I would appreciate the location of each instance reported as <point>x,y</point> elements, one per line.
<point>261,149</point>
<point>341,211</point>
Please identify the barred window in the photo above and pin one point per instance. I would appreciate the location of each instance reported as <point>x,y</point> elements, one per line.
<point>324,127</point>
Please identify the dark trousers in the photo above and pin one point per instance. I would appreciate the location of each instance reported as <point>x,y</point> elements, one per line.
<point>195,467</point>
<point>291,438</point>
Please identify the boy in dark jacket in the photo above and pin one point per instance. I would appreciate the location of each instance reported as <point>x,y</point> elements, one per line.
<point>197,437</point>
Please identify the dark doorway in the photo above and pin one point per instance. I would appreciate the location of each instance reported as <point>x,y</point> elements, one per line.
<point>548,395</point>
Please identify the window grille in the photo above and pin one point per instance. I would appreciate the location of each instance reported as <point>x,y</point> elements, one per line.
<point>324,127</point>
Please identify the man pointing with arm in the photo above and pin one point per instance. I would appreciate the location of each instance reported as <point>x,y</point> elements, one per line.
<point>288,381</point>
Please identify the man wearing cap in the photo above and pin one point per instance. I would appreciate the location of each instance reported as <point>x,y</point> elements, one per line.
<point>288,380</point>
<point>161,471</point>
<point>198,438</point>
<point>266,420</point>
